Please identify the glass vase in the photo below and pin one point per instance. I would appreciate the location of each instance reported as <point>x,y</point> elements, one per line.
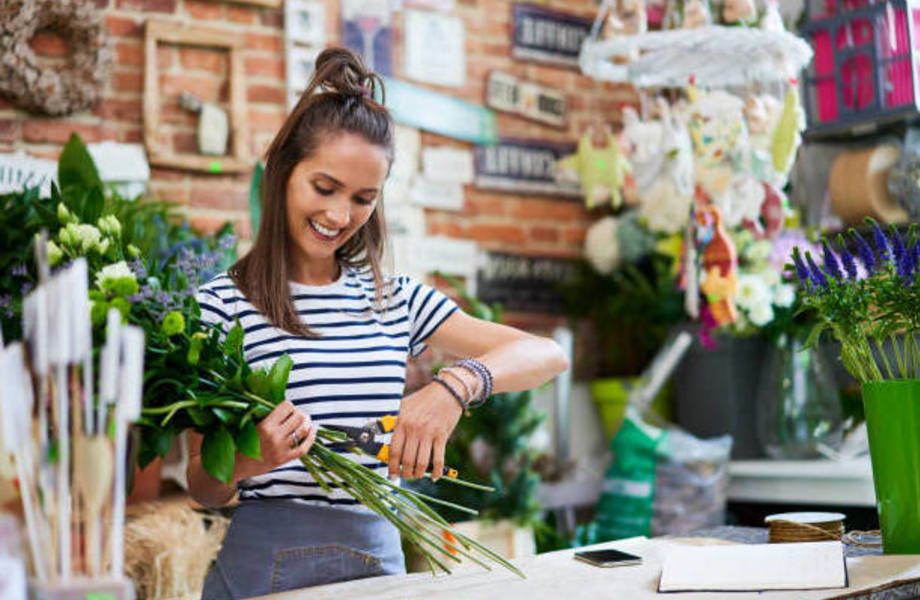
<point>798,402</point>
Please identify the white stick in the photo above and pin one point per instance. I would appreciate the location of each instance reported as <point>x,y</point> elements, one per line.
<point>128,411</point>
<point>61,330</point>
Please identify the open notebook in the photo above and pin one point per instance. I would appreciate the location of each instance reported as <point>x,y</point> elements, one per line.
<point>753,567</point>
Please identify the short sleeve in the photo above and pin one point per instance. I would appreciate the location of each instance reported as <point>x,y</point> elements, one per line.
<point>214,311</point>
<point>428,308</point>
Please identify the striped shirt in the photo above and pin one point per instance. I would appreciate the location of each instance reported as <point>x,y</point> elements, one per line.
<point>352,373</point>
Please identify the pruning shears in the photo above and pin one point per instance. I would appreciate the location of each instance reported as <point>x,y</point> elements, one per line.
<point>365,439</point>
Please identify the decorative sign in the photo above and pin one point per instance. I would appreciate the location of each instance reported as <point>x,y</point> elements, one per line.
<point>367,29</point>
<point>435,49</point>
<point>545,35</point>
<point>523,166</point>
<point>524,283</point>
<point>439,113</point>
<point>530,100</point>
<point>448,165</point>
<point>437,194</point>
<point>300,61</point>
<point>20,171</point>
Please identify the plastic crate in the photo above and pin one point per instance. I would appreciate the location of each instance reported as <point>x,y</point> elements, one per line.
<point>865,70</point>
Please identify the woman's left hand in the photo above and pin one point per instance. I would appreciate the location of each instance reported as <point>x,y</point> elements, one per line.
<point>426,420</point>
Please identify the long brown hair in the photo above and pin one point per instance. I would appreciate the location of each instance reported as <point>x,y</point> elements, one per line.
<point>340,98</point>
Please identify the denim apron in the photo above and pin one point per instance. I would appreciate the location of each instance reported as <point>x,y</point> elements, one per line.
<point>277,545</point>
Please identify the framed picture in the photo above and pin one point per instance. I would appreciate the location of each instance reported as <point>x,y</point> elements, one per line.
<point>305,22</point>
<point>300,62</point>
<point>170,32</point>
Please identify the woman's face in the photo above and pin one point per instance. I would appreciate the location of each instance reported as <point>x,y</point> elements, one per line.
<point>331,195</point>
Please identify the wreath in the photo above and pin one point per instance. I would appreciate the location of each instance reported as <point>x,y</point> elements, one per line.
<point>47,88</point>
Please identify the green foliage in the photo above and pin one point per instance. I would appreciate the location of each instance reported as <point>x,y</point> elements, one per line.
<point>491,447</point>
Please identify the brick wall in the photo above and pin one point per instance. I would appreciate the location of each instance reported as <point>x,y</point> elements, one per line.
<point>497,221</point>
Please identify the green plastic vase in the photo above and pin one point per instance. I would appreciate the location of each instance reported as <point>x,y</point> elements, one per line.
<point>893,422</point>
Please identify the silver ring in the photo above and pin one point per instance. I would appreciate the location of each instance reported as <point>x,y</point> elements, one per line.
<point>294,441</point>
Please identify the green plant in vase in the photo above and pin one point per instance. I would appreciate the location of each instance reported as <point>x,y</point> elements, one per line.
<point>868,297</point>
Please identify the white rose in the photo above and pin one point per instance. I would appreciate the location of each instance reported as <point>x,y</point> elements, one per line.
<point>784,295</point>
<point>751,291</point>
<point>114,271</point>
<point>761,314</point>
<point>601,246</point>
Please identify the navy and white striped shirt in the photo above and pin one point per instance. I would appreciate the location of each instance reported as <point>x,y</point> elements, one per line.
<point>353,372</point>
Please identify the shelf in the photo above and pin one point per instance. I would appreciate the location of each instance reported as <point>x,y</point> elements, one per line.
<point>818,482</point>
<point>715,56</point>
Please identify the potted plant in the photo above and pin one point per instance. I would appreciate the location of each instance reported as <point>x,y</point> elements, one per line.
<point>868,297</point>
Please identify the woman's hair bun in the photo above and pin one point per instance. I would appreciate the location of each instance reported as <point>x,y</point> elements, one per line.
<point>342,71</point>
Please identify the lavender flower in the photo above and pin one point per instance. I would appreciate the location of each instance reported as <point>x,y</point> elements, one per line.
<point>881,242</point>
<point>846,257</point>
<point>19,270</point>
<point>902,258</point>
<point>815,273</point>
<point>26,288</point>
<point>831,266</point>
<point>864,250</point>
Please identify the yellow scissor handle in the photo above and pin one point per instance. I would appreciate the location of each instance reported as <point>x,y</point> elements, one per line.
<point>384,454</point>
<point>387,423</point>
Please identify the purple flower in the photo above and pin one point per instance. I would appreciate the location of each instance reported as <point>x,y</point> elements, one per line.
<point>831,266</point>
<point>881,242</point>
<point>26,288</point>
<point>846,257</point>
<point>866,255</point>
<point>902,258</point>
<point>815,273</point>
<point>20,270</point>
<point>800,269</point>
<point>138,268</point>
<point>5,301</point>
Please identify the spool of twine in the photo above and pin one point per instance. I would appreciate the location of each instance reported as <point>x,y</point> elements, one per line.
<point>816,527</point>
<point>858,185</point>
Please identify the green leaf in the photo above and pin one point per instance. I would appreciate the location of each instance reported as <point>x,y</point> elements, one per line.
<point>257,383</point>
<point>227,417</point>
<point>233,344</point>
<point>815,334</point>
<point>76,167</point>
<point>218,454</point>
<point>201,417</point>
<point>247,441</point>
<point>278,378</point>
<point>93,205</point>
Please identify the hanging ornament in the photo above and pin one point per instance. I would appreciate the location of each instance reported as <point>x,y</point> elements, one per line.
<point>601,168</point>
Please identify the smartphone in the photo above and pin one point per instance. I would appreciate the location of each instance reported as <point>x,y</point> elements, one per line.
<point>608,558</point>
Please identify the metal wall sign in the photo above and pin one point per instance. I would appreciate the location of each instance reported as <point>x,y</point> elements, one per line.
<point>526,166</point>
<point>525,98</point>
<point>545,35</point>
<point>523,283</point>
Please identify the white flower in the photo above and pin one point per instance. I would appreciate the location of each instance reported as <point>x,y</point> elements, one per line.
<point>601,246</point>
<point>761,314</point>
<point>664,209</point>
<point>784,295</point>
<point>114,272</point>
<point>81,237</point>
<point>759,251</point>
<point>770,277</point>
<point>751,291</point>
<point>110,225</point>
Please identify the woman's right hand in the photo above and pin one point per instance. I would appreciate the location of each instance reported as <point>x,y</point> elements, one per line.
<point>278,432</point>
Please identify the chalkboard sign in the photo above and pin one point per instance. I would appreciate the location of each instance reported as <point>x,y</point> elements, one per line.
<point>549,36</point>
<point>525,166</point>
<point>523,283</point>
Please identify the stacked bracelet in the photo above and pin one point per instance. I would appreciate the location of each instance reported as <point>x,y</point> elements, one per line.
<point>466,387</point>
<point>463,404</point>
<point>485,376</point>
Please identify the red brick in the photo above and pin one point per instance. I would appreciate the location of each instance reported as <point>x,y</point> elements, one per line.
<point>129,53</point>
<point>9,130</point>
<point>184,143</point>
<point>266,93</point>
<point>265,67</point>
<point>485,232</point>
<point>100,4</point>
<point>544,234</point>
<point>123,26</point>
<point>159,174</point>
<point>266,121</point>
<point>260,41</point>
<point>49,43</point>
<point>206,224</point>
<point>575,234</point>
<point>120,110</point>
<point>242,14</point>
<point>56,131</point>
<point>161,6</point>
<point>166,57</point>
<point>205,87</point>
<point>209,195</point>
<point>204,59</point>
<point>477,204</point>
<point>205,10</point>
<point>133,135</point>
<point>172,192</point>
<point>274,18</point>
<point>127,81</point>
<point>448,228</point>
<point>547,209</point>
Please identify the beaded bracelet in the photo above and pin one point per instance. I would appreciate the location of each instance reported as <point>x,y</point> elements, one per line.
<point>463,405</point>
<point>480,370</point>
<point>470,395</point>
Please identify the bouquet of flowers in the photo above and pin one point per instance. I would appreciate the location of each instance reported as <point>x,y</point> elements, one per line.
<point>195,376</point>
<point>868,296</point>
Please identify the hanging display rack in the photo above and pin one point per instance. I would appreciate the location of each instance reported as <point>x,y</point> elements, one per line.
<point>714,56</point>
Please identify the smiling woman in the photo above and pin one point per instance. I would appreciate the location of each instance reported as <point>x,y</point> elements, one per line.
<point>312,288</point>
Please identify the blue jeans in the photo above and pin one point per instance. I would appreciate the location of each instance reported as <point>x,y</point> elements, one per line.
<point>278,545</point>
